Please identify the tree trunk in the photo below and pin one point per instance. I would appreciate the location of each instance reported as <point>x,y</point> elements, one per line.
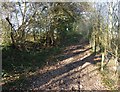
<point>102,62</point>
<point>95,45</point>
<point>11,33</point>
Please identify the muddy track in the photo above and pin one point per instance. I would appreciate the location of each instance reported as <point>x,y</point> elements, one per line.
<point>77,71</point>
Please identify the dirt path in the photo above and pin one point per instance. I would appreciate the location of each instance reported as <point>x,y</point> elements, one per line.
<point>76,72</point>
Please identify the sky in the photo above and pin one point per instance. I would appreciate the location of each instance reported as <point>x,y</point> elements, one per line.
<point>104,11</point>
<point>61,0</point>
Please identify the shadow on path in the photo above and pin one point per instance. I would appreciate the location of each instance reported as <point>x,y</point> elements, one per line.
<point>42,79</point>
<point>47,76</point>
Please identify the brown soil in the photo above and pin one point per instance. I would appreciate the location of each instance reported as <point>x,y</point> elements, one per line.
<point>77,71</point>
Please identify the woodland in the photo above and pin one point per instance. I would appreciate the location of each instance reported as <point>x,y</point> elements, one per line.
<point>60,45</point>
